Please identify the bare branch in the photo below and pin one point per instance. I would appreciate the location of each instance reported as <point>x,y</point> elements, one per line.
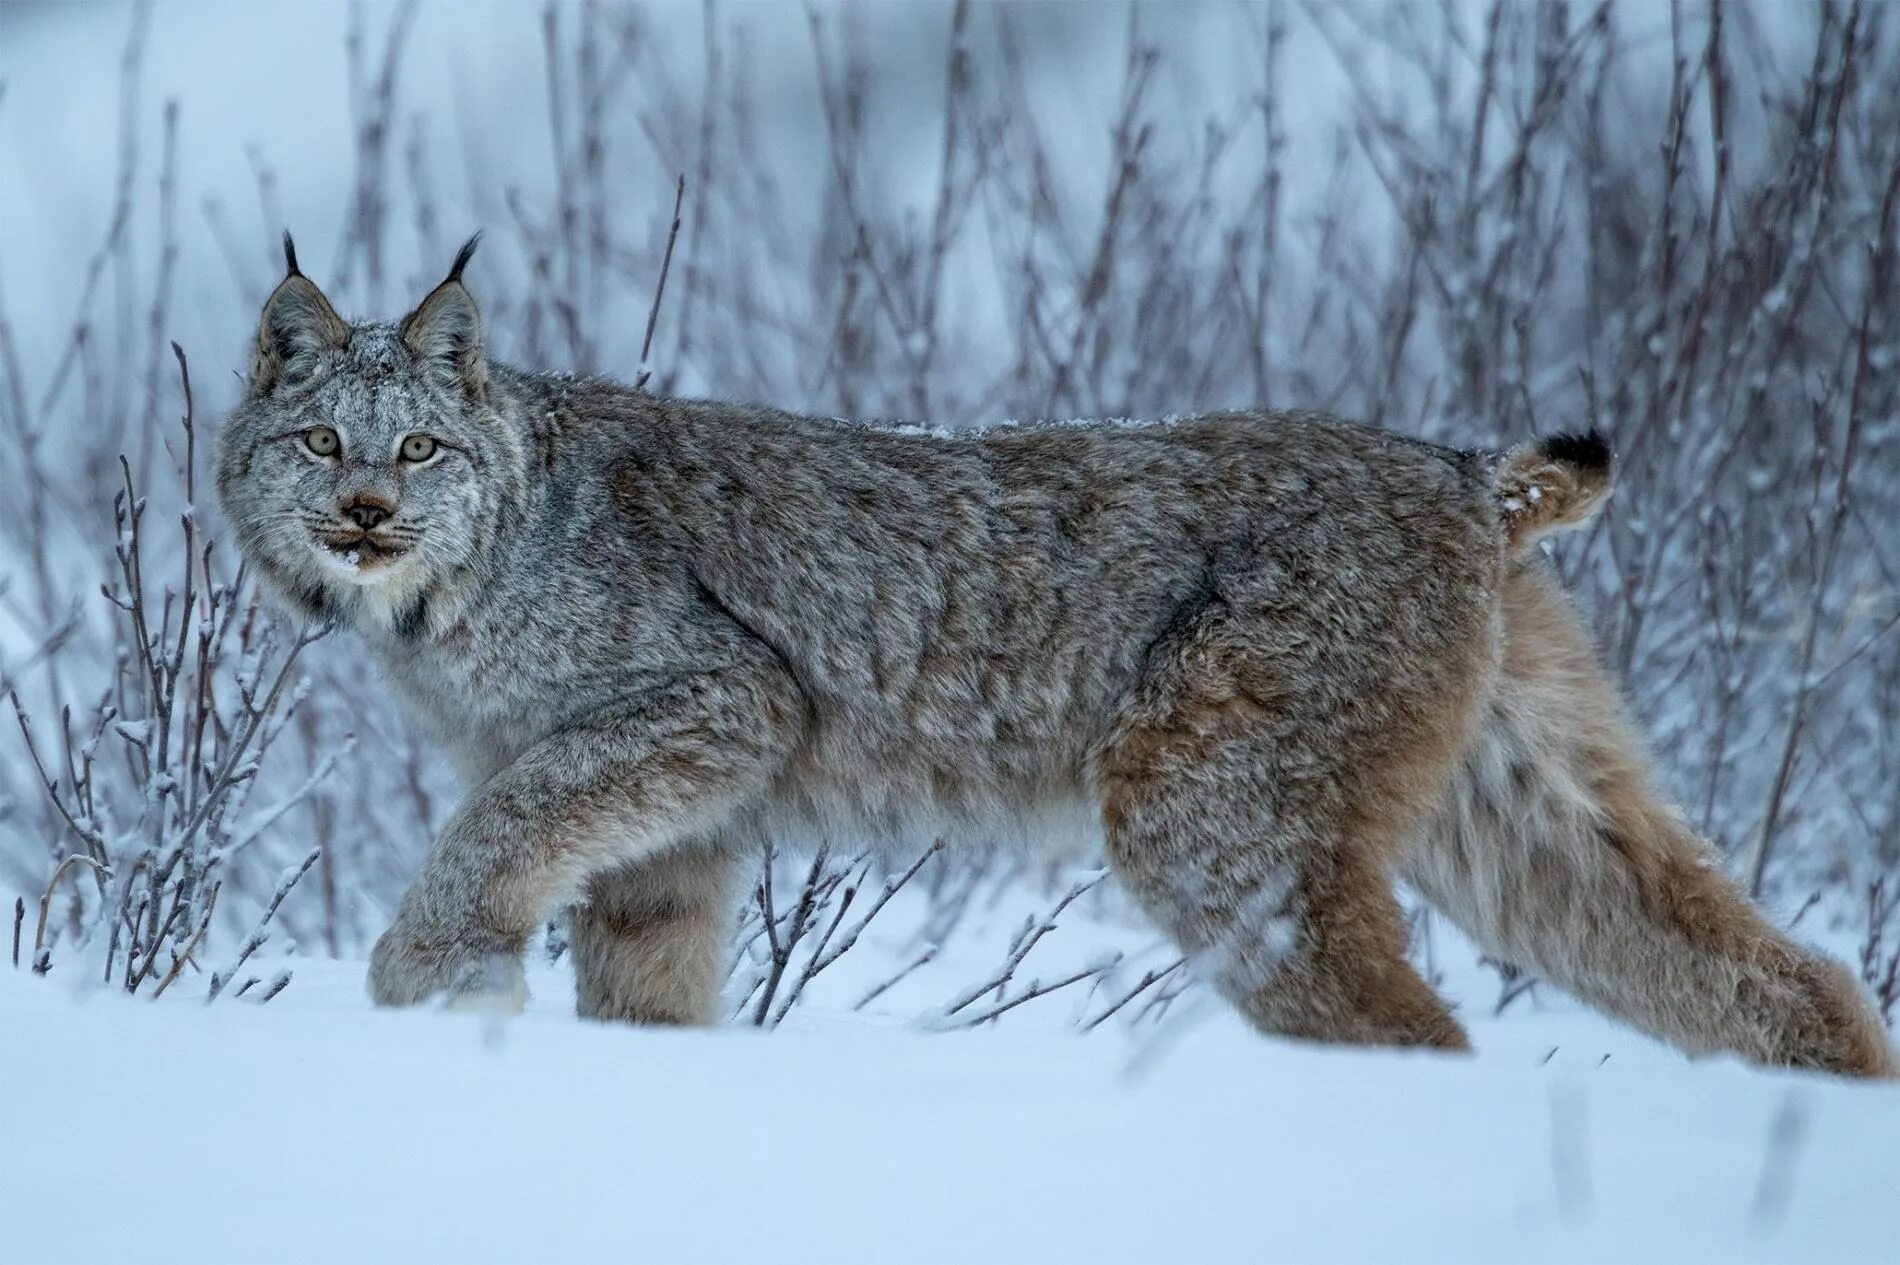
<point>659,289</point>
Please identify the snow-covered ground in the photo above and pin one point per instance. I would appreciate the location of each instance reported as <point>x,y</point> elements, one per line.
<point>314,1128</point>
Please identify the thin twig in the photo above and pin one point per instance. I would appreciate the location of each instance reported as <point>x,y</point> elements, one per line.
<point>1148,979</point>
<point>261,932</point>
<point>1038,989</point>
<point>277,985</point>
<point>659,290</point>
<point>178,963</point>
<point>822,956</point>
<point>40,961</point>
<point>1025,943</point>
<point>928,956</point>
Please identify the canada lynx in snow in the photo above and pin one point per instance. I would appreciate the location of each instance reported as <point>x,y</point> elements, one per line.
<point>1277,660</point>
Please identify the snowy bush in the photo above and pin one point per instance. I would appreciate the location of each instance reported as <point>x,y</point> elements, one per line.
<point>153,782</point>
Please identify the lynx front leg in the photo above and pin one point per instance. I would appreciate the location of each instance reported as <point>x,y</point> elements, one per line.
<point>651,936</point>
<point>625,784</point>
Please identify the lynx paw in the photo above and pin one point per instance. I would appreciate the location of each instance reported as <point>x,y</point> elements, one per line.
<point>406,969</point>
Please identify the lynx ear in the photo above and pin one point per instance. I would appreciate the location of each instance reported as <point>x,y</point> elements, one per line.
<point>446,329</point>
<point>297,326</point>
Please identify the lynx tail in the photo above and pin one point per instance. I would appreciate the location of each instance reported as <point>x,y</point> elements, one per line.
<point>1554,483</point>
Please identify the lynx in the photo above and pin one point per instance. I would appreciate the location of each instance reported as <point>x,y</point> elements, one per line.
<point>1274,663</point>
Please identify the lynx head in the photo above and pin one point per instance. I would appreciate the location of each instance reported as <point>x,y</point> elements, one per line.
<point>366,470</point>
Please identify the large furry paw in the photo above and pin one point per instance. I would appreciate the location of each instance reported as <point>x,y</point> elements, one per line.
<point>407,968</point>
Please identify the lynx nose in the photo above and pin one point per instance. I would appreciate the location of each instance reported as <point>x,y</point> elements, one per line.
<point>366,514</point>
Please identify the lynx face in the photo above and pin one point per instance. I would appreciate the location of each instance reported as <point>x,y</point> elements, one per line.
<point>356,469</point>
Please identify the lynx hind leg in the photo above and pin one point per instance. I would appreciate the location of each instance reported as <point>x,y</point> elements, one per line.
<point>650,940</point>
<point>1293,923</point>
<point>1262,843</point>
<point>1554,853</point>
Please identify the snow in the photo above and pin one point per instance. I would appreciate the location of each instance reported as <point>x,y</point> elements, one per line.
<point>318,1129</point>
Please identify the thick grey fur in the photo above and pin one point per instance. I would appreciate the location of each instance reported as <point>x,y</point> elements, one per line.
<point>1252,651</point>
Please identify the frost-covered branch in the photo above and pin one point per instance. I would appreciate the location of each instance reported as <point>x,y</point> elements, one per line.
<point>261,932</point>
<point>1031,935</point>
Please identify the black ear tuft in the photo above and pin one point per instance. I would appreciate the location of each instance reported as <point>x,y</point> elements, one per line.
<point>463,255</point>
<point>290,255</point>
<point>297,325</point>
<point>446,328</point>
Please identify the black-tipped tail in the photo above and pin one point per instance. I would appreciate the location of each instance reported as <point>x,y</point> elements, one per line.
<point>1588,453</point>
<point>1556,482</point>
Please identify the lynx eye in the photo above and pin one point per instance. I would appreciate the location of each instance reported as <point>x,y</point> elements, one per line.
<point>322,440</point>
<point>418,448</point>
